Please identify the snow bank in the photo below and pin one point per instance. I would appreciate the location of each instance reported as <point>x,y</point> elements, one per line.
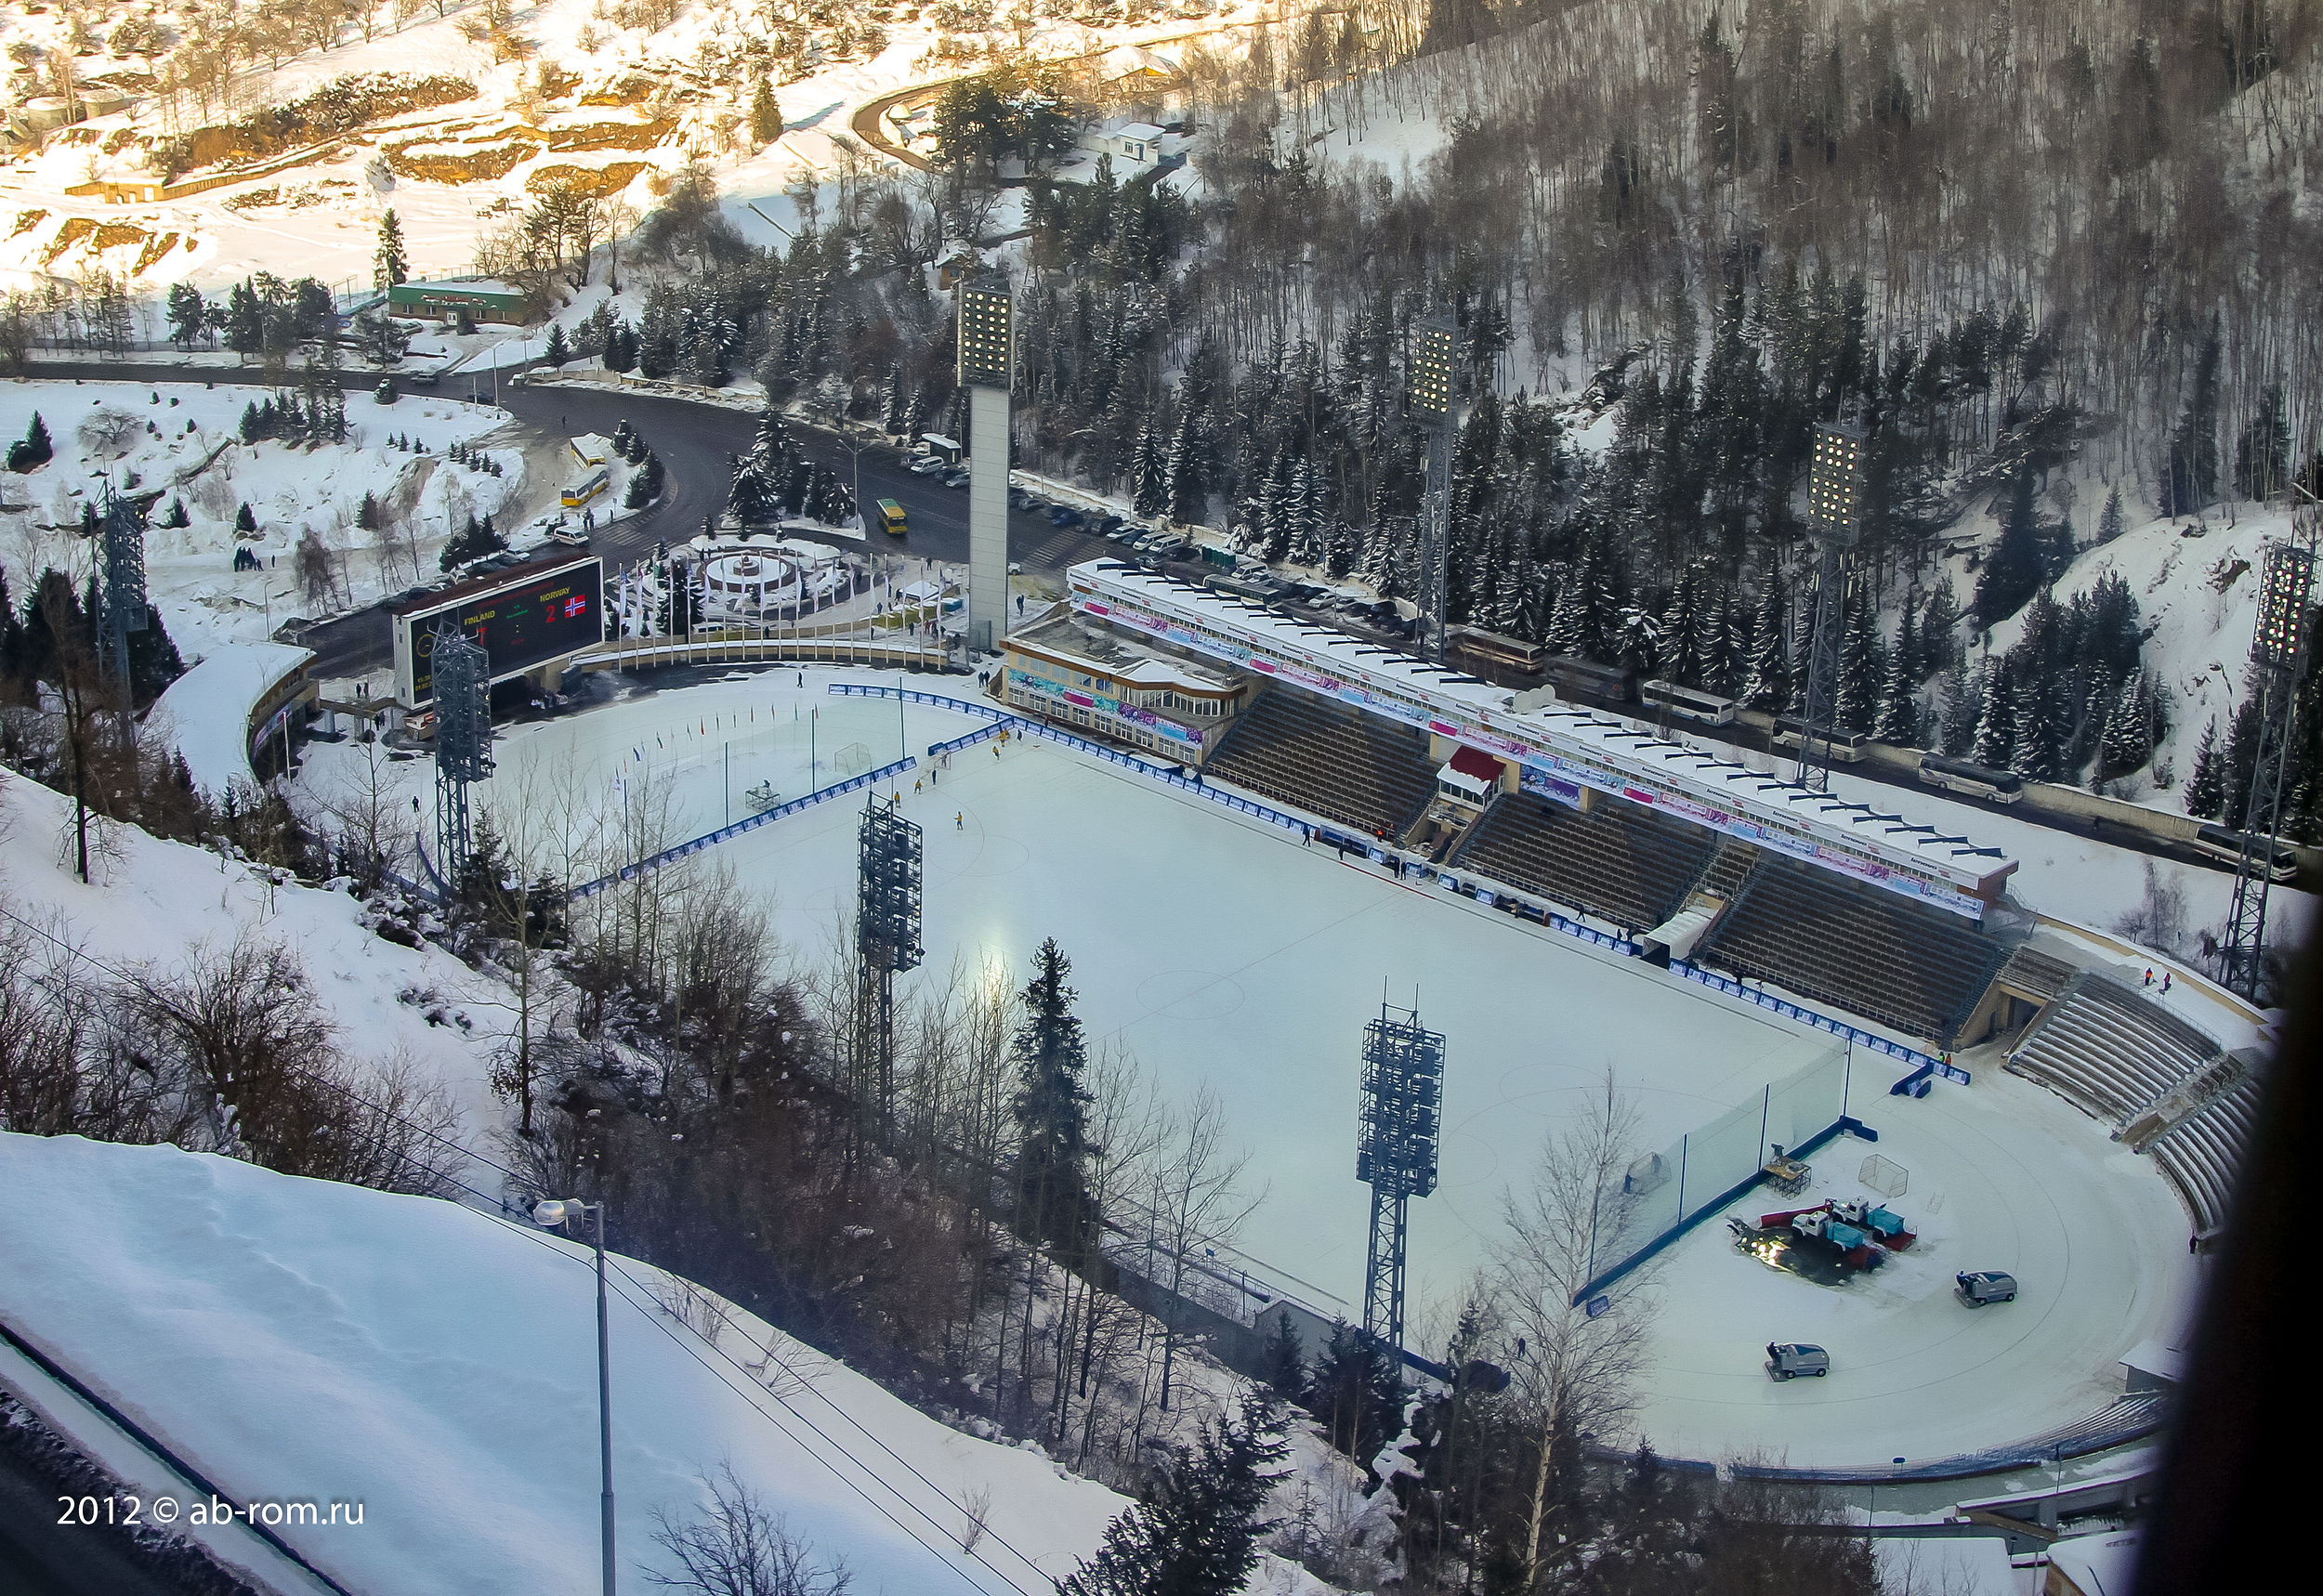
<point>205,713</point>
<point>302,1339</point>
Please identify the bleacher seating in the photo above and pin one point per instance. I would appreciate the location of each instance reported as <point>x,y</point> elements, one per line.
<point>1726,874</point>
<point>2107,1050</point>
<point>1920,970</point>
<point>1354,768</point>
<point>2203,1152</point>
<point>1620,861</point>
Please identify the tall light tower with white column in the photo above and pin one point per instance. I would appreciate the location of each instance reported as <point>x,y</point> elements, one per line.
<point>987,347</point>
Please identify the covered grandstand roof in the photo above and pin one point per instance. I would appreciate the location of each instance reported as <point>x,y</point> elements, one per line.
<point>1558,743</point>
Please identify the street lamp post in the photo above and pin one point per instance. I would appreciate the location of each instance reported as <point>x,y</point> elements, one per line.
<point>554,1213</point>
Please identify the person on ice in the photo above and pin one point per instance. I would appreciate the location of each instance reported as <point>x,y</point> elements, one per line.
<point>960,821</point>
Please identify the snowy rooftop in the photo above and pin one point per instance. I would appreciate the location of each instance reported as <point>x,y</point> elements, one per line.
<point>1706,788</point>
<point>1121,657</point>
<point>2097,1564</point>
<point>207,712</point>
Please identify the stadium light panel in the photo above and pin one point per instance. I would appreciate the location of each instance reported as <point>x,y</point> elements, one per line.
<point>2283,589</point>
<point>1835,483</point>
<point>1432,350</point>
<point>985,347</point>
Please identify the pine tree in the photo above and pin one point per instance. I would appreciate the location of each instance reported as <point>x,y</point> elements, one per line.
<point>35,449</point>
<point>557,351</point>
<point>1054,1207</point>
<point>1938,647</point>
<point>2190,472</point>
<point>388,266</point>
<point>1194,1531</point>
<point>2109,520</point>
<point>1286,1368</point>
<point>2206,789</point>
<point>1150,482</point>
<point>766,117</point>
<point>2128,737</point>
<point>2033,748</point>
<point>1996,719</point>
<point>1861,665</point>
<point>1188,490</point>
<point>1960,710</point>
<point>1767,686</point>
<point>1900,703</point>
<point>243,520</point>
<point>2013,571</point>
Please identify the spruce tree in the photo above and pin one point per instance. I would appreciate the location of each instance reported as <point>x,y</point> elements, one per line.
<point>2190,471</point>
<point>2109,520</point>
<point>1054,1207</point>
<point>1149,481</point>
<point>34,450</point>
<point>766,118</point>
<point>1996,719</point>
<point>557,351</point>
<point>1767,686</point>
<point>1194,1531</point>
<point>1862,666</point>
<point>2129,740</point>
<point>2206,789</point>
<point>1187,490</point>
<point>1938,647</point>
<point>2034,749</point>
<point>1286,1368</point>
<point>1899,704</point>
<point>1960,710</point>
<point>2012,570</point>
<point>387,264</point>
<point>243,520</point>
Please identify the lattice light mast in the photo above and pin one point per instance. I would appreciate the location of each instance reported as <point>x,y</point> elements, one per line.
<point>1433,345</point>
<point>1834,520</point>
<point>1394,1153</point>
<point>886,941</point>
<point>987,350</point>
<point>461,685</point>
<point>125,611</point>
<point>2278,660</point>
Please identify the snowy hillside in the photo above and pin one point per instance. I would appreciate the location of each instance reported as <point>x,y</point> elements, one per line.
<point>184,441</point>
<point>613,97</point>
<point>300,1339</point>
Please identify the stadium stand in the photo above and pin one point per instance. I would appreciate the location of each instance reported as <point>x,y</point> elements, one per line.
<point>2203,1152</point>
<point>1618,861</point>
<point>1729,870</point>
<point>2107,1050</point>
<point>2163,1086</point>
<point>1354,768</point>
<point>1920,970</point>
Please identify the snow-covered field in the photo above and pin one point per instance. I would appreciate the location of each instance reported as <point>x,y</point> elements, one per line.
<point>186,439</point>
<point>1218,952</point>
<point>437,1366</point>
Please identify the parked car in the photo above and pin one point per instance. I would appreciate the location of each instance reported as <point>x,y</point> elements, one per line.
<point>1790,1360</point>
<point>1065,516</point>
<point>1977,1287</point>
<point>954,479</point>
<point>1105,526</point>
<point>926,466</point>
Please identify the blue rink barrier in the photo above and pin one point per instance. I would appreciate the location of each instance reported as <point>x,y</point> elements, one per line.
<point>764,817</point>
<point>1918,1062</point>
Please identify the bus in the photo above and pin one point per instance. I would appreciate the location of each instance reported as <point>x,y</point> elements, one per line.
<point>1578,677</point>
<point>1846,747</point>
<point>2225,844</point>
<point>1489,652</point>
<point>1690,703</point>
<point>891,517</point>
<point>1976,780</point>
<point>579,494</point>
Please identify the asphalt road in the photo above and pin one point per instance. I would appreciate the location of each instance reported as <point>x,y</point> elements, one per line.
<point>697,443</point>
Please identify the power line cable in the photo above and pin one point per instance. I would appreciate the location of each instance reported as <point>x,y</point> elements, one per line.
<point>492,1203</point>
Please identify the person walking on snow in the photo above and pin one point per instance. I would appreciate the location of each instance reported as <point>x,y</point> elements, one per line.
<point>960,821</point>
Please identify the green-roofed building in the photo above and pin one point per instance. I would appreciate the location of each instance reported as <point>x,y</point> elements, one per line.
<point>484,298</point>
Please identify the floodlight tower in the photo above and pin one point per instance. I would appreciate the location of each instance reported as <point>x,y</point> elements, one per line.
<point>886,941</point>
<point>1834,520</point>
<point>986,358</point>
<point>2279,658</point>
<point>125,592</point>
<point>1394,1153</point>
<point>461,685</point>
<point>1433,344</point>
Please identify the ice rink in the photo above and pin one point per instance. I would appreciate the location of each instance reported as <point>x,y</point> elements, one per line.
<point>1216,948</point>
